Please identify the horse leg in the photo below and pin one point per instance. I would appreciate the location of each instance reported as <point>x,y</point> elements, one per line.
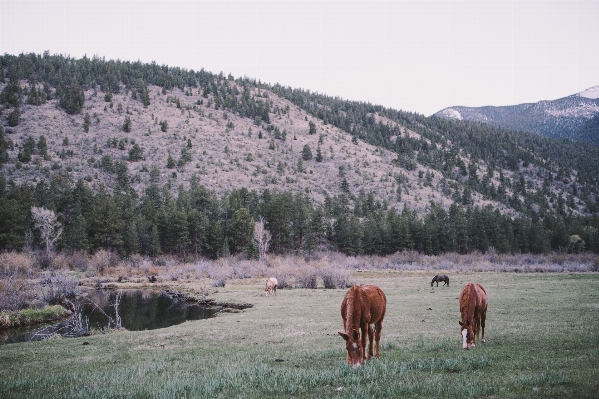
<point>377,338</point>
<point>364,329</point>
<point>370,338</point>
<point>482,324</point>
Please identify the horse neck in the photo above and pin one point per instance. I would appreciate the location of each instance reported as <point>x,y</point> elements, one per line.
<point>469,304</point>
<point>353,312</point>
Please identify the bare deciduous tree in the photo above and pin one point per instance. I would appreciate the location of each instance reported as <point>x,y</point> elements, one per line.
<point>262,238</point>
<point>50,228</point>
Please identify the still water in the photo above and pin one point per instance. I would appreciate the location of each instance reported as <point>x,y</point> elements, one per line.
<point>139,310</point>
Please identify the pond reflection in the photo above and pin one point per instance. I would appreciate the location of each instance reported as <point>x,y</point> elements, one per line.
<point>142,309</point>
<point>138,309</point>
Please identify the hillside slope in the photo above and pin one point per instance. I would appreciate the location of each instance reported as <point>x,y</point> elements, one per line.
<point>154,124</point>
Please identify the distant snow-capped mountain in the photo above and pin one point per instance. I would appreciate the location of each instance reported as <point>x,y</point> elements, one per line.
<point>575,117</point>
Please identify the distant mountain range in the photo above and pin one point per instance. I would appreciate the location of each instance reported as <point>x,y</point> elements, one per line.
<point>575,117</point>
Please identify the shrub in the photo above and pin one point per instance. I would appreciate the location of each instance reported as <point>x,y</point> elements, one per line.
<point>43,260</point>
<point>55,287</point>
<point>102,260</point>
<point>306,277</point>
<point>16,292</point>
<point>18,262</point>
<point>77,260</point>
<point>336,278</point>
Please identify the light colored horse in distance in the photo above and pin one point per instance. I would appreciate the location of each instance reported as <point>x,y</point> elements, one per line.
<point>473,308</point>
<point>362,306</point>
<point>271,286</point>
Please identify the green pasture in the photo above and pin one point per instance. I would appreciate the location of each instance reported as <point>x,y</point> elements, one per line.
<point>542,341</point>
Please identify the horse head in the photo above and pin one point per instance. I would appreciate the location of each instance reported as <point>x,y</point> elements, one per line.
<point>354,348</point>
<point>467,335</point>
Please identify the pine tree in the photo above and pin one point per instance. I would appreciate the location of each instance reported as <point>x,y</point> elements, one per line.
<point>318,154</point>
<point>135,153</point>
<point>241,229</point>
<point>345,186</point>
<point>306,153</point>
<point>72,98</point>
<point>163,126</point>
<point>170,162</point>
<point>214,239</point>
<point>42,146</point>
<point>4,158</point>
<point>127,124</point>
<point>75,236</point>
<point>14,117</point>
<point>105,224</point>
<point>86,122</point>
<point>145,96</point>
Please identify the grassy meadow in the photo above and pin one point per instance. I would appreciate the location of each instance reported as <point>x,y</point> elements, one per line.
<point>542,341</point>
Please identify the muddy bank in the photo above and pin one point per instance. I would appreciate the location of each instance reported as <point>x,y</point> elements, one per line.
<point>207,302</point>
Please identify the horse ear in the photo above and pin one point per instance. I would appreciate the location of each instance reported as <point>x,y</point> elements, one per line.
<point>461,324</point>
<point>344,336</point>
<point>355,335</point>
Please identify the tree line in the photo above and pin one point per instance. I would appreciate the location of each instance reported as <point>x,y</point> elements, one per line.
<point>196,223</point>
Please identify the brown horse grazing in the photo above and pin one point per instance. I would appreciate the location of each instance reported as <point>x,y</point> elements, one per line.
<point>473,307</point>
<point>440,278</point>
<point>362,306</point>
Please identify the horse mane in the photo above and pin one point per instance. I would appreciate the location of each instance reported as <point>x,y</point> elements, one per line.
<point>350,313</point>
<point>468,303</point>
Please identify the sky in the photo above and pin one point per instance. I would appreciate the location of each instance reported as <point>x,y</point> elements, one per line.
<point>418,56</point>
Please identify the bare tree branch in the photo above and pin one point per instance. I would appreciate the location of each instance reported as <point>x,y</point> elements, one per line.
<point>50,228</point>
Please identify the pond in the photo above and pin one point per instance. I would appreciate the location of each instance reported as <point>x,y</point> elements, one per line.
<point>138,309</point>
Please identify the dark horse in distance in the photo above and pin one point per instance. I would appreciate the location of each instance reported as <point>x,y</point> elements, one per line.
<point>440,278</point>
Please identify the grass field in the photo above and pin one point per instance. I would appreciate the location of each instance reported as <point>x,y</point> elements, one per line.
<point>542,341</point>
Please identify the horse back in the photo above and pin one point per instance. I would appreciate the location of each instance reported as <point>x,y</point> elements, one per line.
<point>481,296</point>
<point>473,299</point>
<point>363,305</point>
<point>375,303</point>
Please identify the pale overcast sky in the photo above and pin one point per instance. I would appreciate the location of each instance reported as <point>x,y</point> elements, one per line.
<point>419,56</point>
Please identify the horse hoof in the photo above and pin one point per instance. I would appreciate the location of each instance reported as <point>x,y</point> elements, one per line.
<point>484,340</point>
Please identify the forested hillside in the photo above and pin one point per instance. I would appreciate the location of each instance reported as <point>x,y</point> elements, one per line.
<point>147,158</point>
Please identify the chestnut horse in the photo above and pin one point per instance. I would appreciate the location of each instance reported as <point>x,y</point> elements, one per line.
<point>473,307</point>
<point>440,278</point>
<point>362,306</point>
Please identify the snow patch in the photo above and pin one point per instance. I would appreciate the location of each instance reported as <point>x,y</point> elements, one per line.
<point>451,113</point>
<point>591,93</point>
<point>580,111</point>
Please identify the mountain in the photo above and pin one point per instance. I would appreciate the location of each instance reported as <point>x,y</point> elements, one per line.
<point>147,158</point>
<point>569,117</point>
